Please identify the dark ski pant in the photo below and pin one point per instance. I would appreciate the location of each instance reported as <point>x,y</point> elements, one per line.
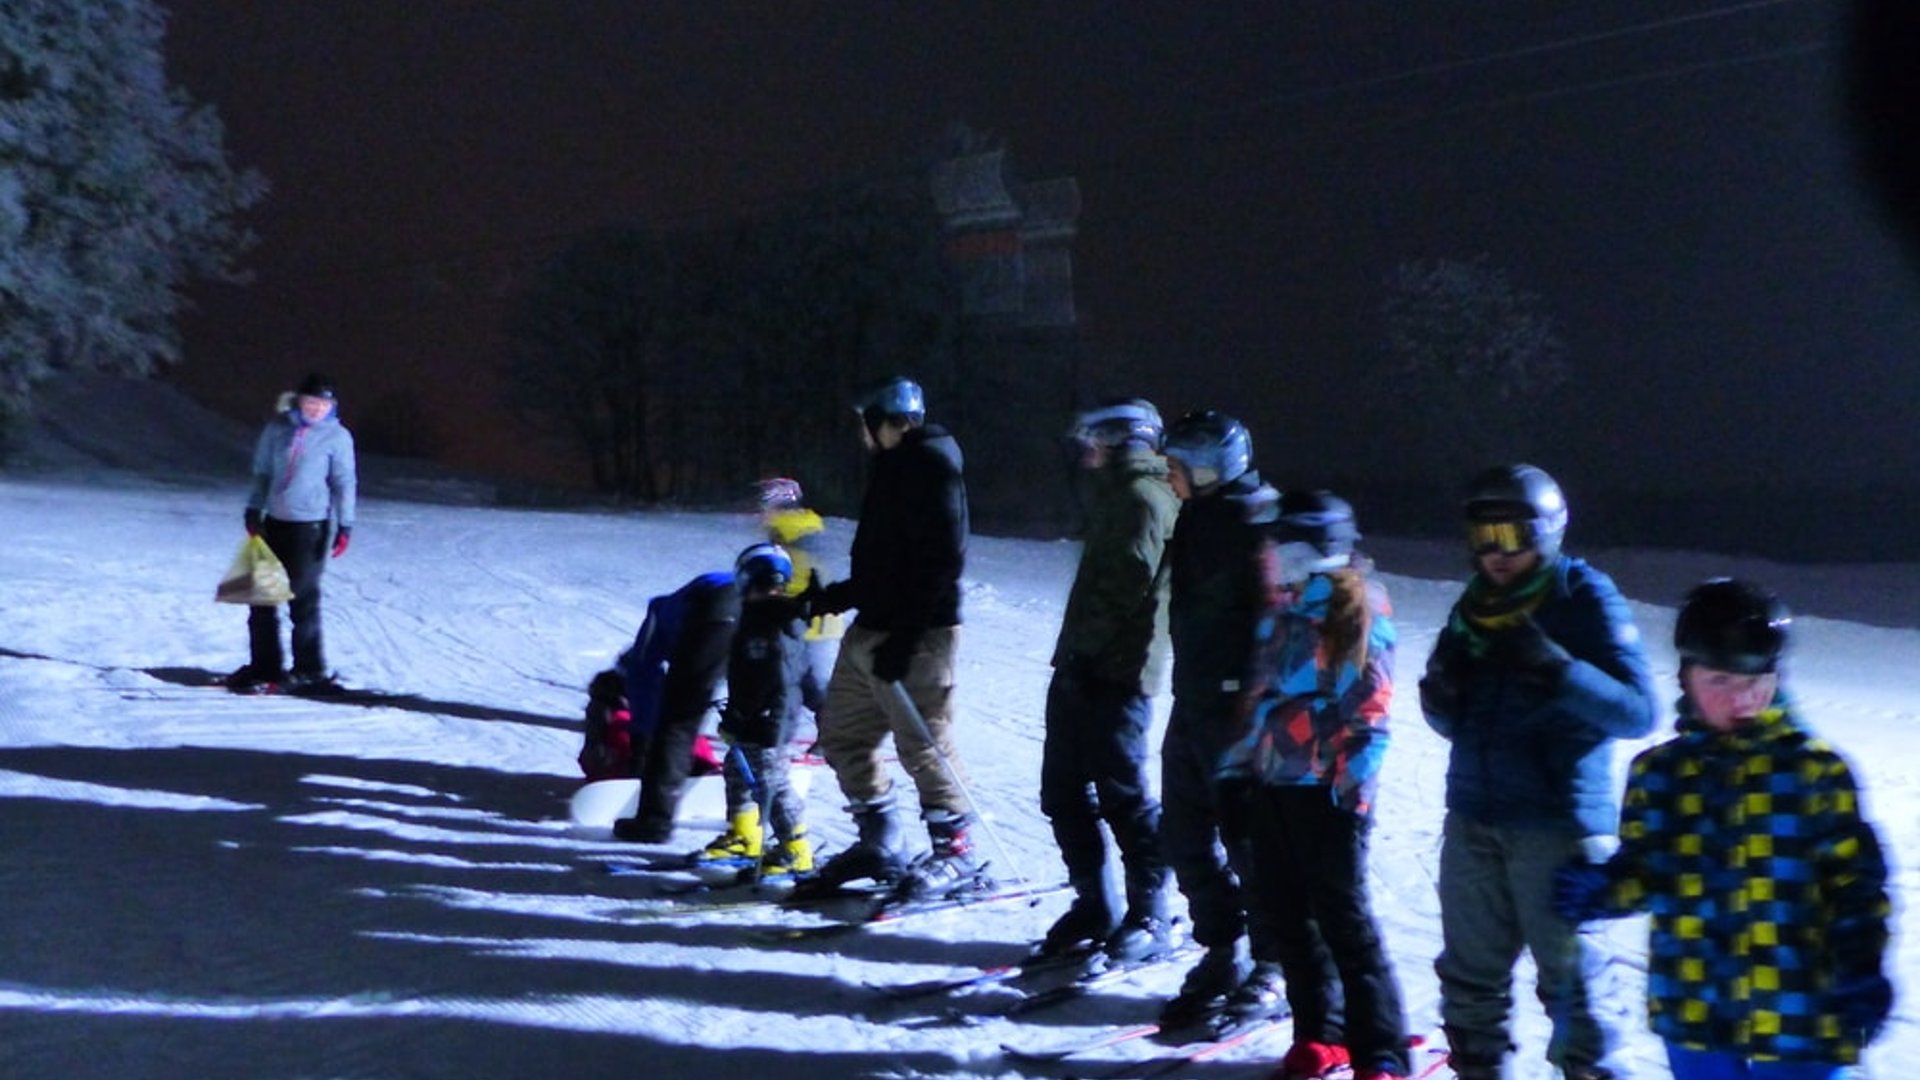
<point>1496,898</point>
<point>1093,768</point>
<point>1203,829</point>
<point>301,547</point>
<point>665,754</point>
<point>1309,876</point>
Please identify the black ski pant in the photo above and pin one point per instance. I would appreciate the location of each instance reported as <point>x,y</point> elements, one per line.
<point>1309,875</point>
<point>1093,768</point>
<point>1203,829</point>
<point>301,547</point>
<point>666,758</point>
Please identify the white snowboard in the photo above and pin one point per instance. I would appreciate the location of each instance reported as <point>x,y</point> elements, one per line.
<point>599,803</point>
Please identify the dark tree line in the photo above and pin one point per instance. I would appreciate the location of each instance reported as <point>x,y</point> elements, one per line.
<point>682,364</point>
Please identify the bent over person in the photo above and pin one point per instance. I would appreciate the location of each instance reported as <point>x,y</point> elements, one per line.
<point>302,503</point>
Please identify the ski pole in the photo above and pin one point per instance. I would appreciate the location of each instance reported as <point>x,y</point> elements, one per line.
<point>762,799</point>
<point>912,712</point>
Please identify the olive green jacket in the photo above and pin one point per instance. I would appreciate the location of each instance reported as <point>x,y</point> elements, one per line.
<point>1114,628</point>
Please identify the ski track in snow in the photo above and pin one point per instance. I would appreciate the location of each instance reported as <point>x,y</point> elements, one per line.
<point>200,885</point>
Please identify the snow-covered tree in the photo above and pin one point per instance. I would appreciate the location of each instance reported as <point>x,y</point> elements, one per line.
<point>115,191</point>
<point>1471,357</point>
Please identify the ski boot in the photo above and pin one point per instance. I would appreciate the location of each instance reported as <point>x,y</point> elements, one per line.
<point>946,871</point>
<point>1260,996</point>
<point>1145,931</point>
<point>1218,974</point>
<point>791,859</point>
<point>1083,928</point>
<point>738,846</point>
<point>248,679</point>
<point>312,684</point>
<point>1312,1061</point>
<point>875,854</point>
<point>643,830</point>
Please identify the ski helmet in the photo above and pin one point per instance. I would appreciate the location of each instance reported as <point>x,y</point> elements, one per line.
<point>779,493</point>
<point>316,385</point>
<point>1730,625</point>
<point>898,398</point>
<point>763,566</point>
<point>1214,447</point>
<point>1515,508</point>
<point>1118,423</point>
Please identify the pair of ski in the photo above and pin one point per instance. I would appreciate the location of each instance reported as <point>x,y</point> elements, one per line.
<point>1211,1039</point>
<point>885,908</point>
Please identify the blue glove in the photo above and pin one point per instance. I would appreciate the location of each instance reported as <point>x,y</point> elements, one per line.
<point>1863,1003</point>
<point>1580,891</point>
<point>894,656</point>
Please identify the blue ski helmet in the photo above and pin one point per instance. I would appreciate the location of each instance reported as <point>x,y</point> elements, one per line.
<point>1515,508</point>
<point>1214,447</point>
<point>899,398</point>
<point>763,566</point>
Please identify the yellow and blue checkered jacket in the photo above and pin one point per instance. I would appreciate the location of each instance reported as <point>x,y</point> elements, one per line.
<point>1764,882</point>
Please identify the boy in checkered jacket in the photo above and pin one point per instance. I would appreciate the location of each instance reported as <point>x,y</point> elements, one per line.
<point>1743,838</point>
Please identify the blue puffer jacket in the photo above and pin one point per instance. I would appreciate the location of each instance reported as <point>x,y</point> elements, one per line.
<point>1530,753</point>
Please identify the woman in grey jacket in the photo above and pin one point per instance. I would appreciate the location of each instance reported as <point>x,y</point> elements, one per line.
<point>302,503</point>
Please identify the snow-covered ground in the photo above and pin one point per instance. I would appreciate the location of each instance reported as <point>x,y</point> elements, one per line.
<point>201,885</point>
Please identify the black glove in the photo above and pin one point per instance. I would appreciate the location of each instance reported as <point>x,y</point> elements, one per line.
<point>1526,647</point>
<point>254,520</point>
<point>1580,891</point>
<point>826,599</point>
<point>892,657</point>
<point>1863,1003</point>
<point>1440,687</point>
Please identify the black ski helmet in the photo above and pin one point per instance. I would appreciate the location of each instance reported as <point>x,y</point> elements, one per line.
<point>1524,495</point>
<point>898,398</point>
<point>1214,447</point>
<point>1730,625</point>
<point>1118,422</point>
<point>317,385</point>
<point>763,566</point>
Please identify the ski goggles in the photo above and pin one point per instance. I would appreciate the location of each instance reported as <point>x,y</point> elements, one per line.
<point>1499,537</point>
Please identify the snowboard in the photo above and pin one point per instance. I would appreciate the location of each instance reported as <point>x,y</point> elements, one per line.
<point>599,803</point>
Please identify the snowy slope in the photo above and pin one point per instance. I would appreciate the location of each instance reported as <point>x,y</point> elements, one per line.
<point>201,885</point>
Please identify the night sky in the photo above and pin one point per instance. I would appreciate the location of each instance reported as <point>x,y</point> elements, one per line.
<point>1672,176</point>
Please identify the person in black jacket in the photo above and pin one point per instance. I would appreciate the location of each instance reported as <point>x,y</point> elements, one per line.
<point>764,668</point>
<point>1217,596</point>
<point>895,671</point>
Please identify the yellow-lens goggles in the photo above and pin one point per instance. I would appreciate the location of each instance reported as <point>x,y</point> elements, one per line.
<point>1505,537</point>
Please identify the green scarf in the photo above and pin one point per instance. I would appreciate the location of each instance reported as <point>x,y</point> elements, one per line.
<point>1486,608</point>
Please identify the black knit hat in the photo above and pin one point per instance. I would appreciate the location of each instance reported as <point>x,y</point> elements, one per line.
<point>316,385</point>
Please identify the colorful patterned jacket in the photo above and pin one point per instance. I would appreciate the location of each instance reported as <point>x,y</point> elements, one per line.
<point>1322,680</point>
<point>1764,882</point>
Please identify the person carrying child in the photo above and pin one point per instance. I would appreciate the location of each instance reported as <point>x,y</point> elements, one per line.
<point>764,669</point>
<point>1743,837</point>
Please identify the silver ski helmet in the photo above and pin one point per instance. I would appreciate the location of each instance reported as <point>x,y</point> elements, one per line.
<point>1313,532</point>
<point>1731,625</point>
<point>1119,422</point>
<point>1214,447</point>
<point>898,398</point>
<point>1515,508</point>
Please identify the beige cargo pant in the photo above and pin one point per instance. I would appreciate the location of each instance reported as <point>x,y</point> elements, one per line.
<point>861,711</point>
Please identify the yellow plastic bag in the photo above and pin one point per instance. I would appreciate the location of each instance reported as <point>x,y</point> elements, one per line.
<point>255,578</point>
